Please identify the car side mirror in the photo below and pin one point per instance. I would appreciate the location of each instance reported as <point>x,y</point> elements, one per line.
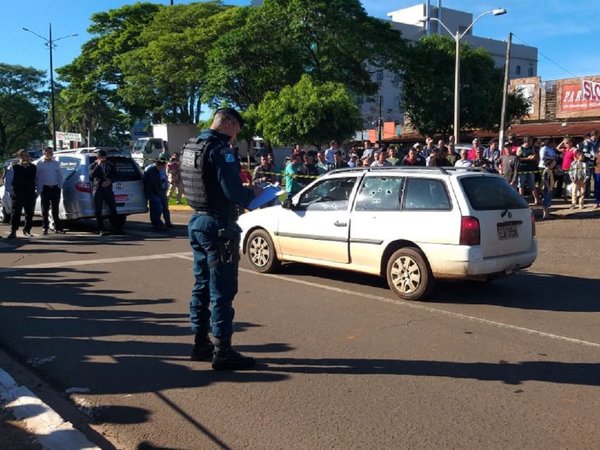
<point>287,203</point>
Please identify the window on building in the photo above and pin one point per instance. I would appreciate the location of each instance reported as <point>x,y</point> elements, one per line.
<point>530,72</point>
<point>518,70</point>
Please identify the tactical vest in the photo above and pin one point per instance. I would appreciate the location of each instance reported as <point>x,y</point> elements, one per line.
<point>199,178</point>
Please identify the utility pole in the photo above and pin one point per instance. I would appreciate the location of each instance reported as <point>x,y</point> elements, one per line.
<point>505,93</point>
<point>379,122</point>
<point>50,43</point>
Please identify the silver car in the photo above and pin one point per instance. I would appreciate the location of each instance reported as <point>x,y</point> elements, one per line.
<point>77,200</point>
<point>5,201</point>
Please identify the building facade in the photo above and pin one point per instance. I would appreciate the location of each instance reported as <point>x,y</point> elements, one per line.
<point>410,22</point>
<point>386,103</point>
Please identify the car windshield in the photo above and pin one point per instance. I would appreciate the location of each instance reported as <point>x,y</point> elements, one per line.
<point>491,193</point>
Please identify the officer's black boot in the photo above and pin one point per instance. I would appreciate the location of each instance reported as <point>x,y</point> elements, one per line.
<point>203,348</point>
<point>226,358</point>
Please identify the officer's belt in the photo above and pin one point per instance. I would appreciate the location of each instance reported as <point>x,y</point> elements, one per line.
<point>207,213</point>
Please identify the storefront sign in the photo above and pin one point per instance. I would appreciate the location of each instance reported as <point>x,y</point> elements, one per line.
<point>68,137</point>
<point>573,98</point>
<point>590,90</point>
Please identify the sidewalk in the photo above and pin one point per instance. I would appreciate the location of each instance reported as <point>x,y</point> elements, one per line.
<point>28,423</point>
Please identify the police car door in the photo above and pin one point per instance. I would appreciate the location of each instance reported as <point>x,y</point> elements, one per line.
<point>317,227</point>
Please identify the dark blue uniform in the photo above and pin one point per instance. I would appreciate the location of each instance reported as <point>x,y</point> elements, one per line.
<point>211,179</point>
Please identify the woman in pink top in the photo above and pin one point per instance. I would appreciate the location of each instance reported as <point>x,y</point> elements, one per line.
<point>567,152</point>
<point>567,149</point>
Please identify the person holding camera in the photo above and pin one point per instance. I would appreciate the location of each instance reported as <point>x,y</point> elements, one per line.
<point>211,180</point>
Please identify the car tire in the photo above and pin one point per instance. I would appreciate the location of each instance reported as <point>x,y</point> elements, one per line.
<point>408,274</point>
<point>4,216</point>
<point>261,252</point>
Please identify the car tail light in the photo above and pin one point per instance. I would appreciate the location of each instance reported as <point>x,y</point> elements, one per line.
<point>532,225</point>
<point>469,231</point>
<point>83,187</point>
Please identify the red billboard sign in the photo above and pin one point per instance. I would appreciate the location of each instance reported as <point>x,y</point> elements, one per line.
<point>573,99</point>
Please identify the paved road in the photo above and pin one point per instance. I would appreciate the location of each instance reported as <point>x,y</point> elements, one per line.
<point>343,363</point>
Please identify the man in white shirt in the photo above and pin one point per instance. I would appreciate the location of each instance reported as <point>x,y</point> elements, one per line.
<point>464,160</point>
<point>49,181</point>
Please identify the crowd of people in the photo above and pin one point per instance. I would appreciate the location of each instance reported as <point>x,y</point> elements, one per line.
<point>536,166</point>
<point>539,167</point>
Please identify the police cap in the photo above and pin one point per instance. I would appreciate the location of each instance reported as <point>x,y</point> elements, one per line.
<point>231,112</point>
<point>101,152</point>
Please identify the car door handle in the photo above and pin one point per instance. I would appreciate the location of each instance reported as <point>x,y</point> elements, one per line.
<point>337,223</point>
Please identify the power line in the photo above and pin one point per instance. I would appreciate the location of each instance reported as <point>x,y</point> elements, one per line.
<point>547,57</point>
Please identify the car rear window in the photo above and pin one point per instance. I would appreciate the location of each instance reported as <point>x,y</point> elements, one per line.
<point>68,165</point>
<point>491,193</point>
<point>126,168</point>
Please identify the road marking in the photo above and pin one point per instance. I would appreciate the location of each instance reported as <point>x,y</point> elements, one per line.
<point>88,262</point>
<point>188,256</point>
<point>430,309</point>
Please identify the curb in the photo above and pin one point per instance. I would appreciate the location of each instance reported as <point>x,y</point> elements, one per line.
<point>42,422</point>
<point>179,208</point>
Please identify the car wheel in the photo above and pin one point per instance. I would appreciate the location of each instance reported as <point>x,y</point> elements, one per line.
<point>408,274</point>
<point>4,216</point>
<point>261,252</point>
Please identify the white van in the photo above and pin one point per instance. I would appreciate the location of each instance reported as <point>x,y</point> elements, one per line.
<point>146,150</point>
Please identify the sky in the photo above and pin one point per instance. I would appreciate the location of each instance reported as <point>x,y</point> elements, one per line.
<point>567,42</point>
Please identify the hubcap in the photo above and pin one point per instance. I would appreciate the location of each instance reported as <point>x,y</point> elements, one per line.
<point>259,251</point>
<point>406,275</point>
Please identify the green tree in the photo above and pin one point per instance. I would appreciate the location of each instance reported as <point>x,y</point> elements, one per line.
<point>166,74</point>
<point>272,46</point>
<point>310,112</point>
<point>94,107</point>
<point>22,107</point>
<point>428,87</point>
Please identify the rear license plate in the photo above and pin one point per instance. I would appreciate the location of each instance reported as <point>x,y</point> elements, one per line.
<point>121,197</point>
<point>507,231</point>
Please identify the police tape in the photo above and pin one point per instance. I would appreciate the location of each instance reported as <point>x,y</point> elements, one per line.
<point>298,175</point>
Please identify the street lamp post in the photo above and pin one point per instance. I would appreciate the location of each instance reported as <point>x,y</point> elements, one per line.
<point>457,37</point>
<point>50,43</point>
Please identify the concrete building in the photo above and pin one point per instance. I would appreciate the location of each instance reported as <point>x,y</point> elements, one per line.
<point>409,21</point>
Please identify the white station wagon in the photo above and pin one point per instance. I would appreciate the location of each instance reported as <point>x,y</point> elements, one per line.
<point>411,225</point>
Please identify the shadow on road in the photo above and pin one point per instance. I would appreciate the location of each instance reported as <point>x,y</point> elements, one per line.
<point>57,319</point>
<point>527,290</point>
<point>509,373</point>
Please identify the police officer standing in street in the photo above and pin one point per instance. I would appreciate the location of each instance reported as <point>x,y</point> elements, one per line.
<point>211,180</point>
<point>49,182</point>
